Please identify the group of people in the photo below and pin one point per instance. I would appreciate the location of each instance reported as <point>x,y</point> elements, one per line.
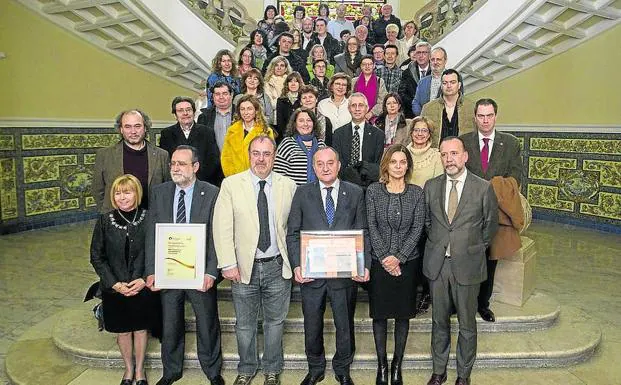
<point>273,156</point>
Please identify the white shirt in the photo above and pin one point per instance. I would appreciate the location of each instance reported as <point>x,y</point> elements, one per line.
<point>335,193</point>
<point>338,115</point>
<point>361,133</point>
<point>460,187</point>
<point>336,26</point>
<point>490,143</point>
<point>273,249</point>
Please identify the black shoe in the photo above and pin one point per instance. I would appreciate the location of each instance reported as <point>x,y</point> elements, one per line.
<point>437,379</point>
<point>382,372</point>
<point>143,381</point>
<point>217,380</point>
<point>344,379</point>
<point>312,379</point>
<point>487,315</point>
<point>127,381</point>
<point>167,380</point>
<point>396,378</point>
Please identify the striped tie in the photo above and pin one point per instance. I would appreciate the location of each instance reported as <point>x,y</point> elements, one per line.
<point>181,208</point>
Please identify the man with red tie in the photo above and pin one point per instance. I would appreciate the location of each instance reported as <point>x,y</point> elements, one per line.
<point>491,153</point>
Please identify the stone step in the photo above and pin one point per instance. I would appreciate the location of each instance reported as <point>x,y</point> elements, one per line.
<point>571,340</point>
<point>539,312</point>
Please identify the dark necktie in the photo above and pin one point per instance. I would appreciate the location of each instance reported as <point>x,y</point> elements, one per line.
<point>329,206</point>
<point>264,219</point>
<point>485,154</point>
<point>181,208</point>
<point>355,147</point>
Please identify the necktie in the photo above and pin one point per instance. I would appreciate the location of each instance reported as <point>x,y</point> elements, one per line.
<point>355,147</point>
<point>181,207</point>
<point>485,154</point>
<point>329,206</point>
<point>264,219</point>
<point>452,204</point>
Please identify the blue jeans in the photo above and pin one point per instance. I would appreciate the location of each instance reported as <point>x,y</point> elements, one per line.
<point>269,292</point>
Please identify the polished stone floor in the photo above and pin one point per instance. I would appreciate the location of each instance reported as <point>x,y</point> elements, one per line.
<point>47,270</point>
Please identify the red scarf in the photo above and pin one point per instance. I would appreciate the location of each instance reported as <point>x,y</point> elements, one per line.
<point>369,90</point>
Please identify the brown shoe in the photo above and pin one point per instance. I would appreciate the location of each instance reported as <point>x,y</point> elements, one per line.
<point>462,381</point>
<point>437,379</point>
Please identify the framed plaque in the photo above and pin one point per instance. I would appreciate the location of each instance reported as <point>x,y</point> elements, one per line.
<point>180,255</point>
<point>332,254</point>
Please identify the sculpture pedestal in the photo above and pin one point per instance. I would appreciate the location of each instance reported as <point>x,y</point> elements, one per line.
<point>515,276</point>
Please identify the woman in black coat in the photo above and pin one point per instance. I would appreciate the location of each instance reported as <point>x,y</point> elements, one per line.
<point>118,256</point>
<point>288,102</point>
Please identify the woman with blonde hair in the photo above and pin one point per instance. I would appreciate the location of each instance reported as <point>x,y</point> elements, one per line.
<point>318,52</point>
<point>118,256</point>
<point>249,123</point>
<point>275,76</point>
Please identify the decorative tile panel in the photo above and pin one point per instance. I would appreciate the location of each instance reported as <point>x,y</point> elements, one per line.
<point>90,202</point>
<point>7,142</point>
<point>608,206</point>
<point>584,146</point>
<point>547,197</point>
<point>47,200</point>
<point>548,168</point>
<point>578,185</point>
<point>52,141</point>
<point>89,158</point>
<point>609,171</point>
<point>8,189</point>
<point>46,168</point>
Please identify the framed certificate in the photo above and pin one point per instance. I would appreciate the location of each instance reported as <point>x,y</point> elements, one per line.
<point>180,255</point>
<point>332,254</point>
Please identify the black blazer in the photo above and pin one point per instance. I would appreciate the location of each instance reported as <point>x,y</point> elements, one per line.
<point>307,213</point>
<point>407,89</point>
<point>284,109</point>
<point>372,151</point>
<point>108,250</point>
<point>203,201</point>
<point>203,139</point>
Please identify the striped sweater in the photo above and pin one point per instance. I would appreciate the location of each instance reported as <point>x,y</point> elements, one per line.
<point>291,160</point>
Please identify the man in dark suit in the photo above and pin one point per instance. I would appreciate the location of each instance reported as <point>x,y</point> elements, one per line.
<point>328,204</point>
<point>201,137</point>
<point>360,145</point>
<point>461,220</point>
<point>133,154</point>
<point>491,153</point>
<point>412,73</point>
<point>186,200</point>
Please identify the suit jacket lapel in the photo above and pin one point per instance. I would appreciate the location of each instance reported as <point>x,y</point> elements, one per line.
<point>442,198</point>
<point>117,159</point>
<point>342,203</point>
<point>476,154</point>
<point>366,143</point>
<point>168,211</point>
<point>347,148</point>
<point>151,161</point>
<point>496,156</point>
<point>251,204</point>
<point>198,200</point>
<point>318,202</point>
<point>465,195</point>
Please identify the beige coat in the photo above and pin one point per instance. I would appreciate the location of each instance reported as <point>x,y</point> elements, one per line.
<point>510,218</point>
<point>236,222</point>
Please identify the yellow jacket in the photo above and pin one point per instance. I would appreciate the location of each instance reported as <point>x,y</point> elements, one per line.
<point>234,156</point>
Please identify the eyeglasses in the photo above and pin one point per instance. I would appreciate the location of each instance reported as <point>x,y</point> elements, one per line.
<point>186,110</point>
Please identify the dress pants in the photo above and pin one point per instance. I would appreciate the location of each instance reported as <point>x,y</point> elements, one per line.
<point>343,303</point>
<point>205,308</point>
<point>268,292</point>
<point>487,286</point>
<point>446,292</point>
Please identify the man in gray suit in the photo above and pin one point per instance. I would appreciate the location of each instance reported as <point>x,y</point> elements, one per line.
<point>133,154</point>
<point>492,153</point>
<point>186,200</point>
<point>462,218</point>
<point>327,204</point>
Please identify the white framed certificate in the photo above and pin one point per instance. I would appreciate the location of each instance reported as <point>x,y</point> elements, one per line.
<point>180,255</point>
<point>332,254</point>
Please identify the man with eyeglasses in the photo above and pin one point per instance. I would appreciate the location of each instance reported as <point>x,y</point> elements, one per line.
<point>453,112</point>
<point>429,86</point>
<point>201,137</point>
<point>186,200</point>
<point>250,238</point>
<point>417,68</point>
<point>133,154</point>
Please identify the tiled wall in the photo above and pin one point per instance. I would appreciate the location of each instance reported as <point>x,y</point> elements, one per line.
<point>45,175</point>
<point>574,177</point>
